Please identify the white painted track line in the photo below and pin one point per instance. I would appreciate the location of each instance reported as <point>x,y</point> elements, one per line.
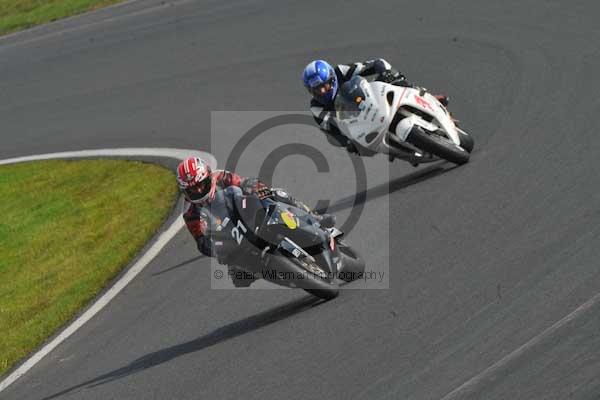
<point>178,154</point>
<point>132,272</point>
<point>479,379</point>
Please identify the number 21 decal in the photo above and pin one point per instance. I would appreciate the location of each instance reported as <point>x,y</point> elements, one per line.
<point>236,234</point>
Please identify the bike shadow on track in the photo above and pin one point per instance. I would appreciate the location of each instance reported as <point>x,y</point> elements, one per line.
<point>215,337</point>
<point>392,186</point>
<point>261,319</point>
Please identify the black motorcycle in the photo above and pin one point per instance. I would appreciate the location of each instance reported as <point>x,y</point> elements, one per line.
<point>272,240</point>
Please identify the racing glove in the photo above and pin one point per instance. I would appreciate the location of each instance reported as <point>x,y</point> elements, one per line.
<point>388,76</point>
<point>401,82</point>
<point>252,185</point>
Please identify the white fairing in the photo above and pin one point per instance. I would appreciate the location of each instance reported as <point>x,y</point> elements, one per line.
<point>366,122</point>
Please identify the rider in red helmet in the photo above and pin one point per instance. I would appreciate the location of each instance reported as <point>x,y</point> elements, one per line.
<point>199,184</point>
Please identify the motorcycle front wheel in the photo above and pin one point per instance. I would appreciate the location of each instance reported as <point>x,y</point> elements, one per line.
<point>353,264</point>
<point>466,140</point>
<point>438,145</point>
<point>295,271</point>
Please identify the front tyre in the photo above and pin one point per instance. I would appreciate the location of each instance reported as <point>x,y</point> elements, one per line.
<point>325,294</point>
<point>353,264</point>
<point>320,288</point>
<point>438,145</point>
<point>295,272</point>
<point>466,140</point>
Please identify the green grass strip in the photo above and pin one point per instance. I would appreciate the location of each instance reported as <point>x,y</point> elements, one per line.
<point>66,229</point>
<point>22,14</point>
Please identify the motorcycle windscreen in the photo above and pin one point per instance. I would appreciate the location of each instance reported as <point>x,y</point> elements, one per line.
<point>292,222</point>
<point>349,102</point>
<point>250,210</point>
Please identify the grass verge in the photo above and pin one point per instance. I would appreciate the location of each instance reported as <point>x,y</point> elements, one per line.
<point>22,14</point>
<point>66,229</point>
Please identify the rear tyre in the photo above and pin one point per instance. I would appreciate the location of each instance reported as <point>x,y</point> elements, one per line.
<point>438,145</point>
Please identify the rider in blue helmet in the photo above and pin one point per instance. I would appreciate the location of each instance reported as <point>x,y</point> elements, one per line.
<point>322,82</point>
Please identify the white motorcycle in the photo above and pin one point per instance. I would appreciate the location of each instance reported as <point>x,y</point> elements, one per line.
<point>402,122</point>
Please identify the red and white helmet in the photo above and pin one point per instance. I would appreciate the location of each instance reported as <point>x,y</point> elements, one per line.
<point>194,179</point>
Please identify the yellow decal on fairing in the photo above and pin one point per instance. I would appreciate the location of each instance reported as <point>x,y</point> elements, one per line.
<point>289,220</point>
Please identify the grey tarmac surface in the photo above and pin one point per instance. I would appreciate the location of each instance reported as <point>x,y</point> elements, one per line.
<point>484,258</point>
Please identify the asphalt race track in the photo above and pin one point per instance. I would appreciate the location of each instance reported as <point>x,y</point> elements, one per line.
<point>485,260</point>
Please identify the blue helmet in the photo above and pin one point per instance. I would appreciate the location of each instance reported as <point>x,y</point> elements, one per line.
<point>320,81</point>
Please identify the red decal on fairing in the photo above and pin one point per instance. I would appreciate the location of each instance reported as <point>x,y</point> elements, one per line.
<point>422,102</point>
